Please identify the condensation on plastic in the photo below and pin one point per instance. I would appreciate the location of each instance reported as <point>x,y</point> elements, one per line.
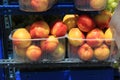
<point>90,5</point>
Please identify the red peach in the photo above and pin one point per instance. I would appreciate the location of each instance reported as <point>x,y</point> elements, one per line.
<point>95,37</point>
<point>39,29</point>
<point>40,5</point>
<point>85,52</point>
<point>85,23</point>
<point>50,44</point>
<point>59,29</point>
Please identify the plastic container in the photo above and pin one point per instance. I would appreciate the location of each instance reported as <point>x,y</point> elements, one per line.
<point>39,50</point>
<point>36,5</point>
<point>105,52</point>
<point>90,5</point>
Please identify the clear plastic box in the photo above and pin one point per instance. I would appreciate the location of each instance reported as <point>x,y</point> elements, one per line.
<point>46,50</point>
<point>90,5</point>
<point>105,52</point>
<point>36,5</point>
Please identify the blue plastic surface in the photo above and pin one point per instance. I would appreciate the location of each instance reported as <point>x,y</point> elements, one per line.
<point>2,74</point>
<point>100,74</point>
<point>93,74</point>
<point>1,53</point>
<point>45,75</point>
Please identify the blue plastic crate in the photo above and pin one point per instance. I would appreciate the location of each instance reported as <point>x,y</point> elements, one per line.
<point>1,53</point>
<point>2,74</point>
<point>44,75</point>
<point>100,74</point>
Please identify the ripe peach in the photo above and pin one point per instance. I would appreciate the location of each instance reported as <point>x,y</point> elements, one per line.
<point>102,52</point>
<point>59,29</point>
<point>98,4</point>
<point>85,52</point>
<point>40,5</point>
<point>95,37</point>
<point>102,20</point>
<point>85,23</point>
<point>50,44</point>
<point>33,52</point>
<point>75,37</point>
<point>59,52</point>
<point>21,38</point>
<point>108,36</point>
<point>39,29</point>
<point>70,20</point>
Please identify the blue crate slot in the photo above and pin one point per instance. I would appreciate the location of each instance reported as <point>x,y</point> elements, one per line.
<point>105,74</point>
<point>1,53</point>
<point>45,75</point>
<point>2,74</point>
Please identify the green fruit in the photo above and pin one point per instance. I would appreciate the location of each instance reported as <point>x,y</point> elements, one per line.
<point>114,4</point>
<point>110,1</point>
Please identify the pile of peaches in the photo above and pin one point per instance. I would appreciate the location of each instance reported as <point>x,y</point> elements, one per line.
<point>91,38</point>
<point>40,42</point>
<point>88,38</point>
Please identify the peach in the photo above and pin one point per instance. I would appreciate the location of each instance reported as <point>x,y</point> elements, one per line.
<point>39,29</point>
<point>85,52</point>
<point>50,44</point>
<point>70,20</point>
<point>102,52</point>
<point>75,37</point>
<point>59,29</point>
<point>33,53</point>
<point>59,52</point>
<point>98,4</point>
<point>21,38</point>
<point>95,37</point>
<point>102,20</point>
<point>40,5</point>
<point>85,23</point>
<point>108,36</point>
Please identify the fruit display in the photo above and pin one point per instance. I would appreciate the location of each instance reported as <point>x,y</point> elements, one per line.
<point>36,42</point>
<point>90,5</point>
<point>36,5</point>
<point>91,40</point>
<point>43,39</point>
